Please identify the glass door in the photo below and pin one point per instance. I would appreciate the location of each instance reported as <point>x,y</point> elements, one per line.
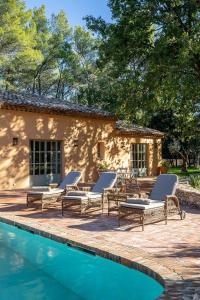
<point>45,162</point>
<point>139,159</point>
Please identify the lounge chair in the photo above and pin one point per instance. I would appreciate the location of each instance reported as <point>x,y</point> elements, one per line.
<point>161,203</point>
<point>83,200</point>
<point>51,195</point>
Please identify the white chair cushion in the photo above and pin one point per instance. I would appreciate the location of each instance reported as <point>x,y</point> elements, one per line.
<point>76,198</point>
<point>139,201</point>
<point>153,204</point>
<point>50,192</point>
<point>77,193</point>
<point>87,196</point>
<point>92,195</point>
<point>40,188</point>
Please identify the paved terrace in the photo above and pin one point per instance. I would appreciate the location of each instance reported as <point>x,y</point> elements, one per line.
<point>172,251</point>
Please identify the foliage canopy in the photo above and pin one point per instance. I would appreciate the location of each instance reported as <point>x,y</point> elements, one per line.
<point>144,66</point>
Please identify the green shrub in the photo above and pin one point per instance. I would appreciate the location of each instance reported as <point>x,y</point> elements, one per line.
<point>103,166</point>
<point>195,181</point>
<point>165,163</point>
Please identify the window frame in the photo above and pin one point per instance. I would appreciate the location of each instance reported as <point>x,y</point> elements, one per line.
<point>139,156</point>
<point>49,157</point>
<point>101,150</point>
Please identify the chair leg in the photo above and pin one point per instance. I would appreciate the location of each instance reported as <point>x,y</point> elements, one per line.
<point>182,214</point>
<point>62,208</point>
<point>166,217</point>
<point>42,207</point>
<point>27,201</point>
<point>81,208</point>
<point>102,204</point>
<point>119,217</point>
<point>142,221</point>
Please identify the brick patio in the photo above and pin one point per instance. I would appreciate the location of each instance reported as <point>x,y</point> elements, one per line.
<point>172,251</point>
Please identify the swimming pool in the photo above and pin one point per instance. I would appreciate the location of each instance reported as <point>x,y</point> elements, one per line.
<point>36,268</point>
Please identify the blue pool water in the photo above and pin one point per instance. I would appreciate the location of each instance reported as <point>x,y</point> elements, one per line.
<point>35,268</point>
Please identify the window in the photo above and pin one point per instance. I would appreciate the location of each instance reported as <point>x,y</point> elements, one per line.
<point>139,158</point>
<point>100,150</point>
<point>15,141</point>
<point>45,157</point>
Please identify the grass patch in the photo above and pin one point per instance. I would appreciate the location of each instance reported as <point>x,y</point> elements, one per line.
<point>195,181</point>
<point>177,171</point>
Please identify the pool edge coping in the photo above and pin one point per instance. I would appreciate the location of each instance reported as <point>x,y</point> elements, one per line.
<point>144,264</point>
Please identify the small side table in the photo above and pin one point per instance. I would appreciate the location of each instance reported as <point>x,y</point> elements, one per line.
<point>115,198</point>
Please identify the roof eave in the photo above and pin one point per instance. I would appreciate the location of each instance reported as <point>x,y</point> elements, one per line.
<point>54,111</point>
<point>141,134</point>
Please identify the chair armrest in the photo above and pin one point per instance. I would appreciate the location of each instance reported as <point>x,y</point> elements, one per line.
<point>171,200</point>
<point>172,205</point>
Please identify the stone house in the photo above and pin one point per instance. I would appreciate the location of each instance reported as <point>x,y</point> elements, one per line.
<point>43,138</point>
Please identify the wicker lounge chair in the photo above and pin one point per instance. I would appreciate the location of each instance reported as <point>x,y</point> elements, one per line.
<point>51,195</point>
<point>161,203</point>
<point>81,201</point>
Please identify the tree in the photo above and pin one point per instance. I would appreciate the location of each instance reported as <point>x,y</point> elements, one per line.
<point>153,47</point>
<point>53,42</point>
<point>17,40</point>
<point>51,58</point>
<point>182,138</point>
<point>154,44</point>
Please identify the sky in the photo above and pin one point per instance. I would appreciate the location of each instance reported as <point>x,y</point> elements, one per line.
<point>74,9</point>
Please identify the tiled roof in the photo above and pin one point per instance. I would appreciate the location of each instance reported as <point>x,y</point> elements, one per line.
<point>49,105</point>
<point>52,105</point>
<point>126,128</point>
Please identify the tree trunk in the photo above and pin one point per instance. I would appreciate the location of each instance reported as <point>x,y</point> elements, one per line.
<point>34,84</point>
<point>39,86</point>
<point>184,167</point>
<point>189,162</point>
<point>196,161</point>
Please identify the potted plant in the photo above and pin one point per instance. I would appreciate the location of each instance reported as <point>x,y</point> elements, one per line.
<point>102,167</point>
<point>164,167</point>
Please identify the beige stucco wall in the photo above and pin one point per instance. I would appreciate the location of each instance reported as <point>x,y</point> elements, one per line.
<point>14,160</point>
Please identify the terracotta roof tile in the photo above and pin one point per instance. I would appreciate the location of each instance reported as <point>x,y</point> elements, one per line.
<point>58,106</point>
<point>127,128</point>
<point>50,104</point>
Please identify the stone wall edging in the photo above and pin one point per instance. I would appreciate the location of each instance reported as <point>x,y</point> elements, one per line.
<point>188,196</point>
